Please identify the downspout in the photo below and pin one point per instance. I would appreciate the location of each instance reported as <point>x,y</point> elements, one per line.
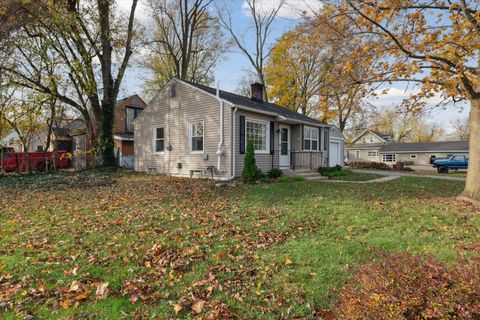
<point>234,156</point>
<point>220,143</point>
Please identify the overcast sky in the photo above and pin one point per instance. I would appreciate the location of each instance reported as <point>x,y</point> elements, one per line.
<point>234,67</point>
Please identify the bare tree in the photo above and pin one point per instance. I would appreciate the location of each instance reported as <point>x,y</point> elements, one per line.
<point>90,48</point>
<point>262,20</point>
<point>460,129</point>
<point>187,44</point>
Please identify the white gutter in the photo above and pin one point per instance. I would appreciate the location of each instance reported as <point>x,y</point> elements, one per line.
<point>234,156</point>
<point>220,143</point>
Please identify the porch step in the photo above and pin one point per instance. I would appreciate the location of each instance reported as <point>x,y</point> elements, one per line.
<point>307,174</point>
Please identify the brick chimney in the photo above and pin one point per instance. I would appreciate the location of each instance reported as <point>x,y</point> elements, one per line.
<point>258,92</point>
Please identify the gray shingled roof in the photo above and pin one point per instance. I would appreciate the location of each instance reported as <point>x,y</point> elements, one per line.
<point>384,135</point>
<point>366,146</point>
<point>239,100</point>
<point>447,146</point>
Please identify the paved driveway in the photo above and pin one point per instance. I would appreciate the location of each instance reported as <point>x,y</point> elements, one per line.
<point>393,173</point>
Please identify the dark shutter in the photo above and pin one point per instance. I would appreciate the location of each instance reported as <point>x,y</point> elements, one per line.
<point>242,134</point>
<point>327,138</point>
<point>272,137</point>
<point>303,141</point>
<point>320,138</point>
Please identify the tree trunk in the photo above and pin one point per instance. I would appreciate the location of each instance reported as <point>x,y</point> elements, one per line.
<point>106,134</point>
<point>26,159</point>
<point>472,186</point>
<point>2,162</point>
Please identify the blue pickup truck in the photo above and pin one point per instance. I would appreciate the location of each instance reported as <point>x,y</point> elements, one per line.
<point>453,162</point>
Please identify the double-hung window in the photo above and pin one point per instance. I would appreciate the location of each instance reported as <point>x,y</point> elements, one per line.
<point>130,115</point>
<point>310,139</point>
<point>197,130</point>
<point>257,133</point>
<point>389,158</point>
<point>159,140</point>
<point>372,153</point>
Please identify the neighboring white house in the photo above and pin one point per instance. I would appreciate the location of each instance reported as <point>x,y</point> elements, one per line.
<point>190,129</point>
<point>372,146</point>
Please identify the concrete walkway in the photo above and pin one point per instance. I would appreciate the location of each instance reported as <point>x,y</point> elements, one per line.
<point>392,173</point>
<point>378,180</point>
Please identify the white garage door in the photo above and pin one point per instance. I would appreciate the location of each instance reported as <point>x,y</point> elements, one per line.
<point>335,158</point>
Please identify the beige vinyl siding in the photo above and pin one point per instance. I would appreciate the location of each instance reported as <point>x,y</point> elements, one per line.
<point>368,136</point>
<point>264,161</point>
<point>296,137</point>
<point>351,152</point>
<point>175,115</point>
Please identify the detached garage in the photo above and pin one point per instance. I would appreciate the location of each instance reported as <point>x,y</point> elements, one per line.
<point>337,147</point>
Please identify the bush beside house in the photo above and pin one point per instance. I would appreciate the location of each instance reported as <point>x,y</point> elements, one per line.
<point>250,172</point>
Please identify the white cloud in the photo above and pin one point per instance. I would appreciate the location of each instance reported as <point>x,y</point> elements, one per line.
<point>395,96</point>
<point>142,12</point>
<point>293,9</point>
<point>443,114</point>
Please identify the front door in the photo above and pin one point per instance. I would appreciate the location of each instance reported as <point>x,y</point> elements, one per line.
<point>284,146</point>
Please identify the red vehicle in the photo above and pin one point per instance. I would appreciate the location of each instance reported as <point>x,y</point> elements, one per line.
<point>38,161</point>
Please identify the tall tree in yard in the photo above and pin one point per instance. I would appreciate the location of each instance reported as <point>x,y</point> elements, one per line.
<point>90,46</point>
<point>294,71</point>
<point>432,43</point>
<point>306,71</point>
<point>262,17</point>
<point>187,44</point>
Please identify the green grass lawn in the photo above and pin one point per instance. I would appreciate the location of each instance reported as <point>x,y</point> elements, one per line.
<point>358,176</point>
<point>126,245</point>
<point>453,173</point>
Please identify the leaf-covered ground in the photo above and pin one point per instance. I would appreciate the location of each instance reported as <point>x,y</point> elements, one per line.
<point>125,245</point>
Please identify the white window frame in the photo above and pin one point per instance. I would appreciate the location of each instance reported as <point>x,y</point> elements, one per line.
<point>267,134</point>
<point>190,136</point>
<point>393,157</point>
<point>357,154</point>
<point>371,140</point>
<point>42,147</point>
<point>413,156</point>
<point>314,129</point>
<point>373,154</point>
<point>155,138</point>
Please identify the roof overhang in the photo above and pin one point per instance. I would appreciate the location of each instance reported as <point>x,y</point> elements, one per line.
<point>280,117</point>
<point>118,137</point>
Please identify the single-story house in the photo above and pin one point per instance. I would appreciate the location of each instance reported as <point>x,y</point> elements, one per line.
<point>372,146</point>
<point>190,129</point>
<point>419,153</point>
